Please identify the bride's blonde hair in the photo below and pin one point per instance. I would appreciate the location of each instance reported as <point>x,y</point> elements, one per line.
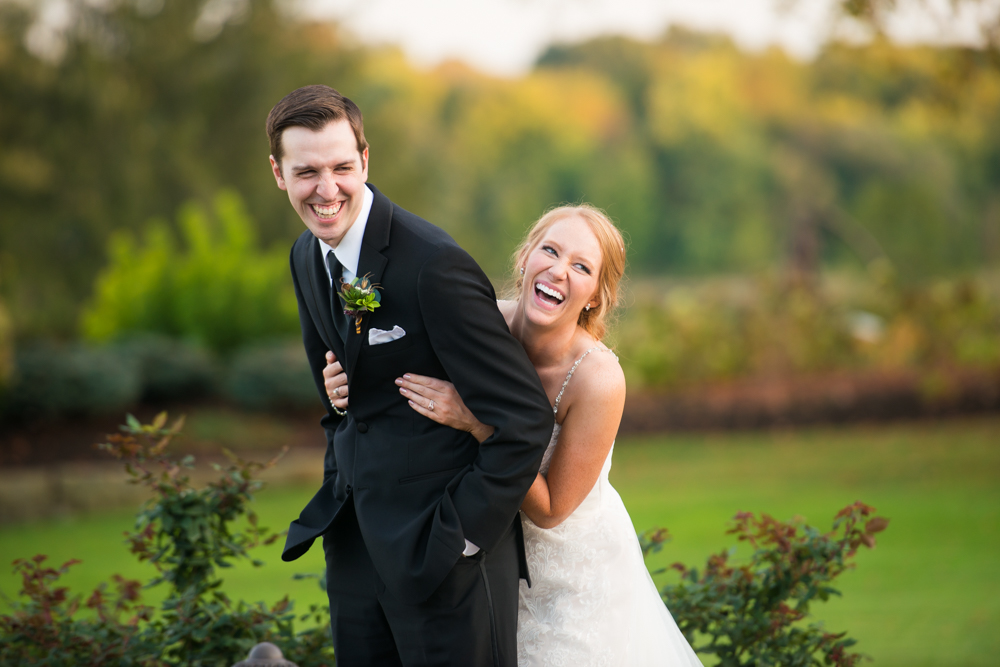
<point>595,320</point>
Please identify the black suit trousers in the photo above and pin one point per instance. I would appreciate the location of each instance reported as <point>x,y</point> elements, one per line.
<point>470,620</point>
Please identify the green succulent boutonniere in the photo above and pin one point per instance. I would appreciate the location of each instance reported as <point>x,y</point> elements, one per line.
<point>360,296</point>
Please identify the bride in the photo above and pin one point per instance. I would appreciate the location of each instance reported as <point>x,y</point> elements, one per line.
<point>591,600</point>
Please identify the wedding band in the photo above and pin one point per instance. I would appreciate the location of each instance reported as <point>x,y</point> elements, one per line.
<point>430,406</point>
<point>336,391</point>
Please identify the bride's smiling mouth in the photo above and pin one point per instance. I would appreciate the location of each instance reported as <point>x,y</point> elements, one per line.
<point>326,212</point>
<point>547,294</point>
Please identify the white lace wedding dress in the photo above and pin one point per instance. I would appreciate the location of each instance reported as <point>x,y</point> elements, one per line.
<point>592,601</point>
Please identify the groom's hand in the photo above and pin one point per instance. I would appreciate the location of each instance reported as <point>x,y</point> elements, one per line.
<point>335,381</point>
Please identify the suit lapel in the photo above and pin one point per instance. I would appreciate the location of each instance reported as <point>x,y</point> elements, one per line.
<point>371,262</point>
<point>319,297</point>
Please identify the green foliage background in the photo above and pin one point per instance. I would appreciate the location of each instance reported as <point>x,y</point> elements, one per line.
<point>712,159</point>
<point>218,289</point>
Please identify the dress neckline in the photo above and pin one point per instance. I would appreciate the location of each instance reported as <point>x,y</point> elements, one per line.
<point>555,408</point>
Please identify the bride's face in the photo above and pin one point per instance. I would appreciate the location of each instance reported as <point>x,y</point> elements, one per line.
<point>561,273</point>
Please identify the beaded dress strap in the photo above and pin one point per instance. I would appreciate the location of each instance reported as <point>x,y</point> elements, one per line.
<point>555,408</point>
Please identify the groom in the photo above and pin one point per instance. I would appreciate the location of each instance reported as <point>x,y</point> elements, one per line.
<point>419,521</point>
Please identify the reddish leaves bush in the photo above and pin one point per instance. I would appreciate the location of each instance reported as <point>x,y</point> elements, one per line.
<point>755,613</point>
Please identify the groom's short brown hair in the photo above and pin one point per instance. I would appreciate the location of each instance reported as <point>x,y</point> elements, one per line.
<point>312,107</point>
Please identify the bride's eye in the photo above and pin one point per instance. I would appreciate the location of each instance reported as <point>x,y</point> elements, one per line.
<point>549,249</point>
<point>584,268</point>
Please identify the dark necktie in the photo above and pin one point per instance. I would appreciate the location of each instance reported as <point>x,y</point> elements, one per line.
<point>336,305</point>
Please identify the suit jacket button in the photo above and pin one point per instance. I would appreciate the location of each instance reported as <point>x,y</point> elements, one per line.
<point>362,427</point>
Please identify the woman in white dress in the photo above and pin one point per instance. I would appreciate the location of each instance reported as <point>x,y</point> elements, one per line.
<point>592,601</point>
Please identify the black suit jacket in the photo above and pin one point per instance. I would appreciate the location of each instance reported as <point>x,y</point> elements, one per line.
<point>420,489</point>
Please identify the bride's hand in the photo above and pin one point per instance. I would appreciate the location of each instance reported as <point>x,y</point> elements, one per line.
<point>438,400</point>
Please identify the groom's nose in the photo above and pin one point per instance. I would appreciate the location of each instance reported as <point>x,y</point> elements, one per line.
<point>327,186</point>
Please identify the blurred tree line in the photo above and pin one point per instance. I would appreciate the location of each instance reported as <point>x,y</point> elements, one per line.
<point>712,159</point>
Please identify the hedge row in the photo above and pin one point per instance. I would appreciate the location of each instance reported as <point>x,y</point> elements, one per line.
<point>55,381</point>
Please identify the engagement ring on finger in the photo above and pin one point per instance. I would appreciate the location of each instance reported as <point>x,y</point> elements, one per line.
<point>336,392</point>
<point>430,406</point>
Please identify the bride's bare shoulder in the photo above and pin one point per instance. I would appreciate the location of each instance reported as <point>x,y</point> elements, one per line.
<point>598,379</point>
<point>603,370</point>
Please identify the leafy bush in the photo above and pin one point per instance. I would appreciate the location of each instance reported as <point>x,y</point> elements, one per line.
<point>709,334</point>
<point>170,369</point>
<point>749,614</point>
<point>768,327</point>
<point>58,381</point>
<point>271,376</point>
<point>76,380</point>
<point>220,290</point>
<point>46,629</point>
<point>753,614</point>
<point>6,349</point>
<point>187,534</point>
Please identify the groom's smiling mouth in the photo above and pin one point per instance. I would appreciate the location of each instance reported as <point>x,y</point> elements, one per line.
<point>549,294</point>
<point>327,212</point>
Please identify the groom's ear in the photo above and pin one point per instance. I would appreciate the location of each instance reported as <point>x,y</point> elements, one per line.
<point>276,170</point>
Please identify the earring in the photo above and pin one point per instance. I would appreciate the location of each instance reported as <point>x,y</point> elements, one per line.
<point>588,307</point>
<point>522,270</point>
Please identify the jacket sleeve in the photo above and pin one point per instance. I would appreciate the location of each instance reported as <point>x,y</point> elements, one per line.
<point>316,351</point>
<point>494,377</point>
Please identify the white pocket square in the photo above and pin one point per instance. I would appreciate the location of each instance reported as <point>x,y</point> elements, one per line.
<point>378,336</point>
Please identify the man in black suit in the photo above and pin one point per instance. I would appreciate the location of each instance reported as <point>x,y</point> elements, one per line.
<point>419,521</point>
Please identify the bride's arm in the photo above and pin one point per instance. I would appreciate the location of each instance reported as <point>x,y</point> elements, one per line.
<point>594,410</point>
<point>439,401</point>
<point>448,407</point>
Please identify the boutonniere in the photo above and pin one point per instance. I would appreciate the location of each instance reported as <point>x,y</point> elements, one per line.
<point>360,296</point>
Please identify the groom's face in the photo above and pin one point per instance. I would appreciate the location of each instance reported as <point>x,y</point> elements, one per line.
<point>324,176</point>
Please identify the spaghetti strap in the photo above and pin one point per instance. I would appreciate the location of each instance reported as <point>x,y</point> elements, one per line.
<point>555,408</point>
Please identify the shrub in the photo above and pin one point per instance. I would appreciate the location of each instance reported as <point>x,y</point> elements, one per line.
<point>58,381</point>
<point>765,328</point>
<point>46,629</point>
<point>749,614</point>
<point>170,369</point>
<point>6,349</point>
<point>187,534</point>
<point>753,614</point>
<point>75,380</point>
<point>272,376</point>
<point>219,290</point>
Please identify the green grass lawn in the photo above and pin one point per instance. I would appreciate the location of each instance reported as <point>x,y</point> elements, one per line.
<point>927,595</point>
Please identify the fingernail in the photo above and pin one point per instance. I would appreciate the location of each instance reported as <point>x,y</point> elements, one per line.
<point>410,402</point>
<point>404,392</point>
<point>406,375</point>
<point>399,381</point>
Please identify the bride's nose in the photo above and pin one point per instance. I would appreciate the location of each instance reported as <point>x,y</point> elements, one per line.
<point>559,268</point>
